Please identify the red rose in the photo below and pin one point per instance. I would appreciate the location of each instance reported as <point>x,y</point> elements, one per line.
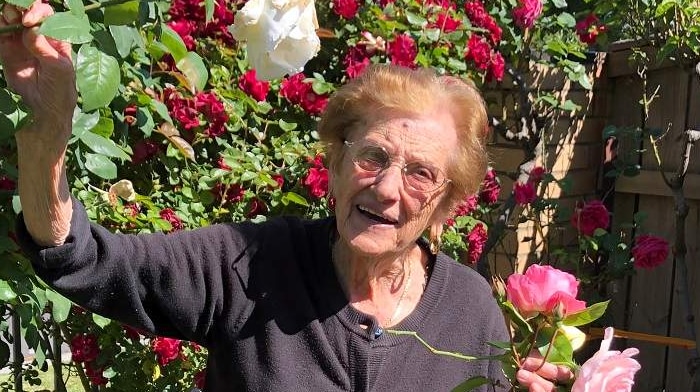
<point>467,206</point>
<point>524,193</point>
<point>477,239</point>
<point>169,215</point>
<point>94,373</point>
<point>525,15</point>
<point>478,51</point>
<point>185,29</point>
<point>490,188</point>
<point>228,194</point>
<point>144,150</point>
<point>446,23</point>
<point>497,67</point>
<point>212,109</point>
<point>316,180</point>
<point>298,92</point>
<point>166,349</point>
<point>402,50</point>
<point>346,8</point>
<point>255,88</point>
<point>480,18</point>
<point>7,184</point>
<point>536,174</point>
<point>649,251</point>
<point>589,29</point>
<point>355,61</point>
<point>221,164</point>
<point>590,216</point>
<point>257,207</point>
<point>200,379</point>
<point>84,348</point>
<point>279,179</point>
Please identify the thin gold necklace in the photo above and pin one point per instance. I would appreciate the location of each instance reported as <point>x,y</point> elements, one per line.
<point>403,294</point>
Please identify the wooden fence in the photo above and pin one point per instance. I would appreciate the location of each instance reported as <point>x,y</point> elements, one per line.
<point>650,301</point>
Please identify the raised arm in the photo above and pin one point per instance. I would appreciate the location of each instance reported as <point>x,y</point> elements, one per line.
<point>41,71</point>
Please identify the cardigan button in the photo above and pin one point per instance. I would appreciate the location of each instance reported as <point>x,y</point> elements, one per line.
<point>378,332</point>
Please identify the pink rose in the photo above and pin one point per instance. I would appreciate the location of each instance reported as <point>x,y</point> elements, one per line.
<point>525,15</point>
<point>478,51</point>
<point>649,251</point>
<point>590,216</point>
<point>608,370</point>
<point>542,289</point>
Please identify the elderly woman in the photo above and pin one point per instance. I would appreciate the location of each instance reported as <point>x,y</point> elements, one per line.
<point>289,304</point>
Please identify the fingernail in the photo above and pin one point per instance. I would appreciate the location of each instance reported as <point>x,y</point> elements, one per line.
<point>522,376</point>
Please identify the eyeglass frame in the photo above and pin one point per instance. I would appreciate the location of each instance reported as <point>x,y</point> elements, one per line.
<point>391,162</point>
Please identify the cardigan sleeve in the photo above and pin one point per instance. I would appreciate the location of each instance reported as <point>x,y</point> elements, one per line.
<point>180,284</point>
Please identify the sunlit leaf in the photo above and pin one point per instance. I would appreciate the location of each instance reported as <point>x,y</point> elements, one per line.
<point>192,66</point>
<point>173,42</point>
<point>103,146</point>
<point>65,26</point>
<point>122,14</point>
<point>6,292</point>
<point>101,165</point>
<point>471,384</point>
<point>61,305</point>
<point>98,77</point>
<point>587,315</point>
<point>21,3</point>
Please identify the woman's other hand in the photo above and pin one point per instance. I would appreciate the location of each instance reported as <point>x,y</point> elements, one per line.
<point>40,69</point>
<point>540,376</point>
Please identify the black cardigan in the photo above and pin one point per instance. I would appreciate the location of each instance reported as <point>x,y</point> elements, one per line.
<point>265,301</point>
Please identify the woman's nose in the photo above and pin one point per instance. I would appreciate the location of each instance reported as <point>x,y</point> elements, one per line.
<point>388,184</point>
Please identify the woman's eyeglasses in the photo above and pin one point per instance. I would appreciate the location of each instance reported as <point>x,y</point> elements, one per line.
<point>417,176</point>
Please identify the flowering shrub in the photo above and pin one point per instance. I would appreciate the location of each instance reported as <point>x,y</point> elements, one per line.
<point>176,110</point>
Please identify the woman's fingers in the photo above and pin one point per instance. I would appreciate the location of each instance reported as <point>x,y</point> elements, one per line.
<point>535,363</point>
<point>36,13</point>
<point>534,382</point>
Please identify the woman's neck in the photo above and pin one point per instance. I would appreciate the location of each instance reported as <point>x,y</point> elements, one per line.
<point>388,288</point>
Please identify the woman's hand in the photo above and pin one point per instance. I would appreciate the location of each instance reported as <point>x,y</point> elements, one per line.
<point>540,376</point>
<point>40,69</point>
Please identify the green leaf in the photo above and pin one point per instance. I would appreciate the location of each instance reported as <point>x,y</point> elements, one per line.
<point>287,126</point>
<point>4,353</point>
<point>291,197</point>
<point>471,384</point>
<point>65,26</point>
<point>457,64</point>
<point>61,305</point>
<point>101,165</point>
<point>103,146</point>
<point>559,3</point>
<point>76,7</point>
<point>209,9</point>
<point>565,19</point>
<point>21,3</point>
<point>98,77</point>
<point>587,315</point>
<point>100,321</point>
<point>162,110</point>
<point>6,292</point>
<point>84,122</point>
<point>104,127</point>
<point>124,39</point>
<point>558,352</point>
<point>192,66</point>
<point>173,42</point>
<point>122,14</point>
<point>416,19</point>
<point>7,103</point>
<point>515,317</point>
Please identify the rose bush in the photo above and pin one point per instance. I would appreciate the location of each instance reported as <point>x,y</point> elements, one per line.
<point>176,128</point>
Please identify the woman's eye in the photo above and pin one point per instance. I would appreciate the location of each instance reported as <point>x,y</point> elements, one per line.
<point>422,173</point>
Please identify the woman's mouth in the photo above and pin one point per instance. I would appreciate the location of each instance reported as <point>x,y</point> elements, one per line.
<point>376,216</point>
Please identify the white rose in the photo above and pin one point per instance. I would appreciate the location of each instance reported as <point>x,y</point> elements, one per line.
<point>280,35</point>
<point>123,189</point>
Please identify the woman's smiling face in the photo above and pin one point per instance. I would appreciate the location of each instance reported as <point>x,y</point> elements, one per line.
<point>377,212</point>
